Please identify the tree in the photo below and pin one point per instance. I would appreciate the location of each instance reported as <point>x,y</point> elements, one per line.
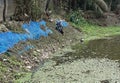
<point>102,5</point>
<point>47,5</point>
<point>4,11</point>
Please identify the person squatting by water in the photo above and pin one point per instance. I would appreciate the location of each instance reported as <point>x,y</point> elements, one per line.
<point>59,26</point>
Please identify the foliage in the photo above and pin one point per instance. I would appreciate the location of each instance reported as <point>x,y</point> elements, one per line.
<point>35,10</point>
<point>28,7</point>
<point>77,18</point>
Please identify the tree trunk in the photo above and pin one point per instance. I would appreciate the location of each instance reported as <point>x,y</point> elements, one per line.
<point>47,5</point>
<point>74,4</point>
<point>110,4</point>
<point>102,4</point>
<point>4,11</point>
<point>69,5</point>
<point>85,5</point>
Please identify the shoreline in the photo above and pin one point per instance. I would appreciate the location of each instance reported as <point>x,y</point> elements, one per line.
<point>92,68</point>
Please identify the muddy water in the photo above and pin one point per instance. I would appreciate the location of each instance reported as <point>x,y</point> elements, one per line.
<point>108,47</point>
<point>94,62</point>
<point>101,48</point>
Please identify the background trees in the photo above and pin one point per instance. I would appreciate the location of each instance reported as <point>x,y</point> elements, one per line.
<point>35,8</point>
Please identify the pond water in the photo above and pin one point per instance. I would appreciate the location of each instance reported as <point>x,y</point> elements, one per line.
<point>101,48</point>
<point>109,48</point>
<point>94,62</point>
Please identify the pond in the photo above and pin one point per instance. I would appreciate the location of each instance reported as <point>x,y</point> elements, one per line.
<point>101,48</point>
<point>105,48</point>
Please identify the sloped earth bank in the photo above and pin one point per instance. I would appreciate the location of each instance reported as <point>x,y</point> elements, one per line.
<point>96,62</point>
<point>25,57</point>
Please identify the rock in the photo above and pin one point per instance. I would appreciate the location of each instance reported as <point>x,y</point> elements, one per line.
<point>27,62</point>
<point>45,55</point>
<point>28,67</point>
<point>38,50</point>
<point>81,40</point>
<point>36,59</point>
<point>3,28</point>
<point>35,53</point>
<point>21,56</point>
<point>70,40</point>
<point>63,46</point>
<point>4,60</point>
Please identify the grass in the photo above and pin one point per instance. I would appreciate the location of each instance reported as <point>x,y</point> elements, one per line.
<point>23,79</point>
<point>91,31</point>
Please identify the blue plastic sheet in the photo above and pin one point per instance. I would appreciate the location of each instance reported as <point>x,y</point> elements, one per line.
<point>8,39</point>
<point>63,23</point>
<point>33,31</point>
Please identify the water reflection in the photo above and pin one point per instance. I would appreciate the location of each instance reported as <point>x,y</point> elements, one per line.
<point>109,47</point>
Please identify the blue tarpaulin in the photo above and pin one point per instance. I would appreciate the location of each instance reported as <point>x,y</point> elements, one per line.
<point>9,39</point>
<point>62,22</point>
<point>33,31</point>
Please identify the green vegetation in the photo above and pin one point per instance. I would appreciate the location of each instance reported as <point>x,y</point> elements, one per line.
<point>76,17</point>
<point>90,30</point>
<point>10,68</point>
<point>93,31</point>
<point>24,78</point>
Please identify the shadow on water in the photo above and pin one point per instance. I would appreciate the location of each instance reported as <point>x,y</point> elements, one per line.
<point>101,48</point>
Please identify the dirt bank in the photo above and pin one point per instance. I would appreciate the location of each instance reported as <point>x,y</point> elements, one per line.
<point>17,61</point>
